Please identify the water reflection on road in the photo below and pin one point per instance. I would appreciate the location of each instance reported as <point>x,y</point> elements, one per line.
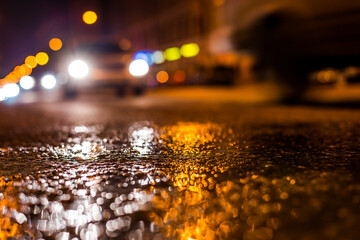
<point>189,180</point>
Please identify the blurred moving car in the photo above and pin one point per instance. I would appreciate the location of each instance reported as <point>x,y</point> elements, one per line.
<point>291,39</point>
<point>97,65</point>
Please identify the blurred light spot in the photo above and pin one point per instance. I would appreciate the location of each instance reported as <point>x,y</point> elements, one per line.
<point>190,50</point>
<point>11,90</point>
<point>19,71</point>
<point>142,139</point>
<point>2,94</point>
<point>172,54</point>
<point>31,62</point>
<point>20,218</point>
<point>138,68</point>
<point>218,3</point>
<point>284,195</point>
<point>226,226</point>
<point>162,77</point>
<point>147,57</point>
<point>179,76</point>
<point>42,58</point>
<point>11,77</point>
<point>81,129</point>
<point>28,69</point>
<point>48,81</point>
<point>125,44</point>
<point>158,57</point>
<point>78,69</point>
<point>89,17</point>
<point>63,236</point>
<point>27,82</point>
<point>55,44</point>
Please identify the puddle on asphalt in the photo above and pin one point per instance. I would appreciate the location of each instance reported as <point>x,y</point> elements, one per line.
<point>187,181</point>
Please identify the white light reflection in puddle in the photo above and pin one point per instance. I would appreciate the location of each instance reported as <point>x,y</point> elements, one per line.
<point>84,144</point>
<point>142,137</point>
<point>81,129</point>
<point>85,204</point>
<point>82,200</point>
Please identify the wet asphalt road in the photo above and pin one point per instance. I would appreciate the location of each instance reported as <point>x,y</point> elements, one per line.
<point>159,168</point>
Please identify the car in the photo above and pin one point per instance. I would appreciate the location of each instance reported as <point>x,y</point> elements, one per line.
<point>291,39</point>
<point>92,66</point>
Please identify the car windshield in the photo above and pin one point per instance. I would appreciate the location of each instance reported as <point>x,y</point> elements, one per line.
<point>99,48</point>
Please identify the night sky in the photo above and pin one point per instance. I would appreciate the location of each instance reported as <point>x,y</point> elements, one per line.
<point>26,28</point>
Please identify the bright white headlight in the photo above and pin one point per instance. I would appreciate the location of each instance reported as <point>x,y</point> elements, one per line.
<point>11,90</point>
<point>138,68</point>
<point>78,69</point>
<point>48,81</point>
<point>27,82</point>
<point>2,95</point>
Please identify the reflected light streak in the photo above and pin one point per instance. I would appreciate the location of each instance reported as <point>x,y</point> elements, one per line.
<point>81,129</point>
<point>13,223</point>
<point>142,138</point>
<point>194,210</point>
<point>86,150</point>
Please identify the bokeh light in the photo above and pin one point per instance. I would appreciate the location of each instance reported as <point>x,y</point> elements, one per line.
<point>31,62</point>
<point>179,76</point>
<point>218,3</point>
<point>42,58</point>
<point>27,82</point>
<point>16,75</point>
<point>55,44</point>
<point>11,77</point>
<point>190,50</point>
<point>172,54</point>
<point>28,70</point>
<point>2,94</point>
<point>144,56</point>
<point>78,69</point>
<point>158,57</point>
<point>89,17</point>
<point>11,90</point>
<point>19,71</point>
<point>138,68</point>
<point>125,44</point>
<point>162,77</point>
<point>48,81</point>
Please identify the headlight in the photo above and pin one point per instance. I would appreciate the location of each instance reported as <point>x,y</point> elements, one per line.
<point>138,68</point>
<point>2,95</point>
<point>27,82</point>
<point>78,69</point>
<point>11,90</point>
<point>48,81</point>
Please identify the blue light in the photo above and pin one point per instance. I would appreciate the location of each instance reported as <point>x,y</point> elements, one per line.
<point>146,56</point>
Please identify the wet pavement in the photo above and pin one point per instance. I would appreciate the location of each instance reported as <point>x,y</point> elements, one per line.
<point>160,168</point>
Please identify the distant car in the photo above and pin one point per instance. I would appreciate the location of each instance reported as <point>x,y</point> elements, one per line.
<point>95,66</point>
<point>291,39</point>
